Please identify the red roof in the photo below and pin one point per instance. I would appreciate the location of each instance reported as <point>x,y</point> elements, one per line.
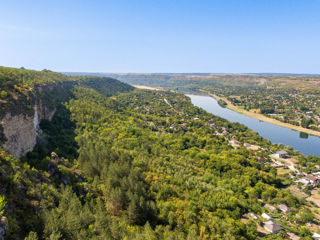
<point>312,177</point>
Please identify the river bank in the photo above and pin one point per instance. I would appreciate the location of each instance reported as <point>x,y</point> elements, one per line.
<point>148,87</point>
<point>263,118</point>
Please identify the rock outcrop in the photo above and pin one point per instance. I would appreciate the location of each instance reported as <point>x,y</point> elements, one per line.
<point>19,123</point>
<point>20,130</point>
<point>3,226</point>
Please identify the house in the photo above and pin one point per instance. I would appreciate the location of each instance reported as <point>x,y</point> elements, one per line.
<point>281,154</point>
<point>316,173</point>
<point>271,208</point>
<point>284,208</point>
<point>304,181</point>
<point>266,216</point>
<point>253,216</point>
<point>224,130</point>
<point>234,143</point>
<point>314,179</point>
<point>316,236</point>
<point>272,227</point>
<point>247,144</point>
<point>292,236</point>
<point>261,159</point>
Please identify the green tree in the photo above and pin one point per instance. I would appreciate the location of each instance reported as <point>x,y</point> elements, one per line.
<point>32,236</point>
<point>306,215</point>
<point>3,94</point>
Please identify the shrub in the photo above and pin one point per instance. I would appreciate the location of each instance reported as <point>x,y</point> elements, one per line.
<point>3,203</point>
<point>3,94</point>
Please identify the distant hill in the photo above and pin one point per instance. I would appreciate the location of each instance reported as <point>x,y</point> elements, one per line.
<point>192,81</point>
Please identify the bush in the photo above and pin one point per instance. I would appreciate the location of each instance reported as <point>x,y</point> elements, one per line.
<point>3,94</point>
<point>3,203</point>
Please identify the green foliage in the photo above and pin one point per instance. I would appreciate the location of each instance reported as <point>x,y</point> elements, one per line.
<point>3,94</point>
<point>32,236</point>
<point>67,220</point>
<point>306,122</point>
<point>306,215</point>
<point>290,99</point>
<point>3,203</point>
<point>169,177</point>
<point>29,78</point>
<point>222,103</point>
<point>139,165</point>
<point>99,84</point>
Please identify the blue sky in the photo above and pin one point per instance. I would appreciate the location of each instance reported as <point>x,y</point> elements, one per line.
<point>234,36</point>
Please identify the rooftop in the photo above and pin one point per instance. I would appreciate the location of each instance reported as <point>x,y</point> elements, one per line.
<point>281,152</point>
<point>272,226</point>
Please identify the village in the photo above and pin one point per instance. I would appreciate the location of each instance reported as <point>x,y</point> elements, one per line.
<point>268,221</point>
<point>303,184</point>
<point>286,105</point>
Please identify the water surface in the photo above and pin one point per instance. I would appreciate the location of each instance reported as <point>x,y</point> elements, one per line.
<point>306,144</point>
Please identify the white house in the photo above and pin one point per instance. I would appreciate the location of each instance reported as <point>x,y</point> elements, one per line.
<point>284,208</point>
<point>272,227</point>
<point>281,154</point>
<point>266,216</point>
<point>304,181</point>
<point>314,179</point>
<point>271,208</point>
<point>234,143</point>
<point>316,236</point>
<point>253,216</point>
<point>292,236</point>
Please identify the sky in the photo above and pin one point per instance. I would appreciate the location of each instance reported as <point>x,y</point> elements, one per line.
<point>225,36</point>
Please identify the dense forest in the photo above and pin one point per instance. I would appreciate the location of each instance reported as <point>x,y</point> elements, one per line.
<point>123,163</point>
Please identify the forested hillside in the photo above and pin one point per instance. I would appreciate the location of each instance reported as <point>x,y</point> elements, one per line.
<point>118,163</point>
<point>289,98</point>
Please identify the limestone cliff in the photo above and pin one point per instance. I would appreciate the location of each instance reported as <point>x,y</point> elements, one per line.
<point>19,123</point>
<point>20,131</point>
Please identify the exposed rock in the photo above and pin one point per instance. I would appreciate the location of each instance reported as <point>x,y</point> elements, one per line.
<point>19,122</point>
<point>20,130</point>
<point>54,155</point>
<point>4,225</point>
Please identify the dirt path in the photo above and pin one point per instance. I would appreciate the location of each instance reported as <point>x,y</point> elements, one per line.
<point>264,118</point>
<point>169,104</point>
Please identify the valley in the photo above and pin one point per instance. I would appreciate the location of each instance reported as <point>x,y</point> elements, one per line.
<point>291,101</point>
<point>117,162</point>
<point>160,120</point>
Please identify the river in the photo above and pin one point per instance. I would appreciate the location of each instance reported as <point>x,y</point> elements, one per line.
<point>306,144</point>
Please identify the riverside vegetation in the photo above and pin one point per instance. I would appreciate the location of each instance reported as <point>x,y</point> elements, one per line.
<point>290,99</point>
<point>136,164</point>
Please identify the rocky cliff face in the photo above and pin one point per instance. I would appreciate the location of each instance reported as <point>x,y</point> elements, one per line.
<point>20,130</point>
<point>19,123</point>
